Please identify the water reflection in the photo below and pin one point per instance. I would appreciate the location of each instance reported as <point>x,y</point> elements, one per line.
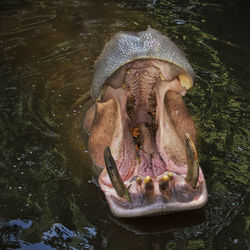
<point>49,198</point>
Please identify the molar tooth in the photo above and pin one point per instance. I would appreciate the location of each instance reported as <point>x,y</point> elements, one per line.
<point>192,162</point>
<point>113,173</point>
<point>185,81</point>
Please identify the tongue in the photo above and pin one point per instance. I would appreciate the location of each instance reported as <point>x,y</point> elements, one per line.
<point>150,161</point>
<point>148,143</point>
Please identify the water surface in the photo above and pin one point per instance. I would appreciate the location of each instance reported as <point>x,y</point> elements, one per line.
<point>49,197</point>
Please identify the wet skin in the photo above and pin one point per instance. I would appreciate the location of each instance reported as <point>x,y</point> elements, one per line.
<point>140,131</point>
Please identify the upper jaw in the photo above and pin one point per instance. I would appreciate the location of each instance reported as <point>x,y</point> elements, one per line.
<point>125,47</point>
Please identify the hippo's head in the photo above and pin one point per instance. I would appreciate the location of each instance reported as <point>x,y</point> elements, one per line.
<point>140,131</point>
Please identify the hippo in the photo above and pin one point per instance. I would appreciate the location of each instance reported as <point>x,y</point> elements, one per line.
<point>141,134</point>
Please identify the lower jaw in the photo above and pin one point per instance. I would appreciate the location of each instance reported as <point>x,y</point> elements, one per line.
<point>147,200</point>
<point>160,207</point>
<point>176,197</point>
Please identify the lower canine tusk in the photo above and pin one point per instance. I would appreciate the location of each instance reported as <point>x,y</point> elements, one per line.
<point>192,162</point>
<point>113,173</point>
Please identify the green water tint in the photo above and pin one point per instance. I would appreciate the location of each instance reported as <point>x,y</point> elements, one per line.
<point>49,197</point>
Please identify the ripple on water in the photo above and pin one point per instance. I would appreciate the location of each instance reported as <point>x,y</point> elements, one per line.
<point>49,48</point>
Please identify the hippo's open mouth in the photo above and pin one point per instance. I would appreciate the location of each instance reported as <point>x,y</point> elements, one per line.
<point>143,136</point>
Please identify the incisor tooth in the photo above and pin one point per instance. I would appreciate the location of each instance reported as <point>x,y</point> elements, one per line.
<point>170,175</point>
<point>164,182</point>
<point>165,178</point>
<point>139,180</point>
<point>147,179</point>
<point>148,184</point>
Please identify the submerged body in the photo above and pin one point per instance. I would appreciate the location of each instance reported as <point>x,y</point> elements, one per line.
<point>140,131</point>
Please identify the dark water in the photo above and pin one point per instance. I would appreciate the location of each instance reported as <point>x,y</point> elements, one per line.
<point>49,198</point>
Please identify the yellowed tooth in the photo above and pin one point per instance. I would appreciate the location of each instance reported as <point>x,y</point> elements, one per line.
<point>170,175</point>
<point>185,81</point>
<point>192,146</point>
<point>113,173</point>
<point>147,179</point>
<point>165,178</point>
<point>148,185</point>
<point>162,77</point>
<point>139,180</point>
<point>164,182</point>
<point>192,162</point>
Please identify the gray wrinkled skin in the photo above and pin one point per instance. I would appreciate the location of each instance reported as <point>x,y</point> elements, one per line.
<point>125,47</point>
